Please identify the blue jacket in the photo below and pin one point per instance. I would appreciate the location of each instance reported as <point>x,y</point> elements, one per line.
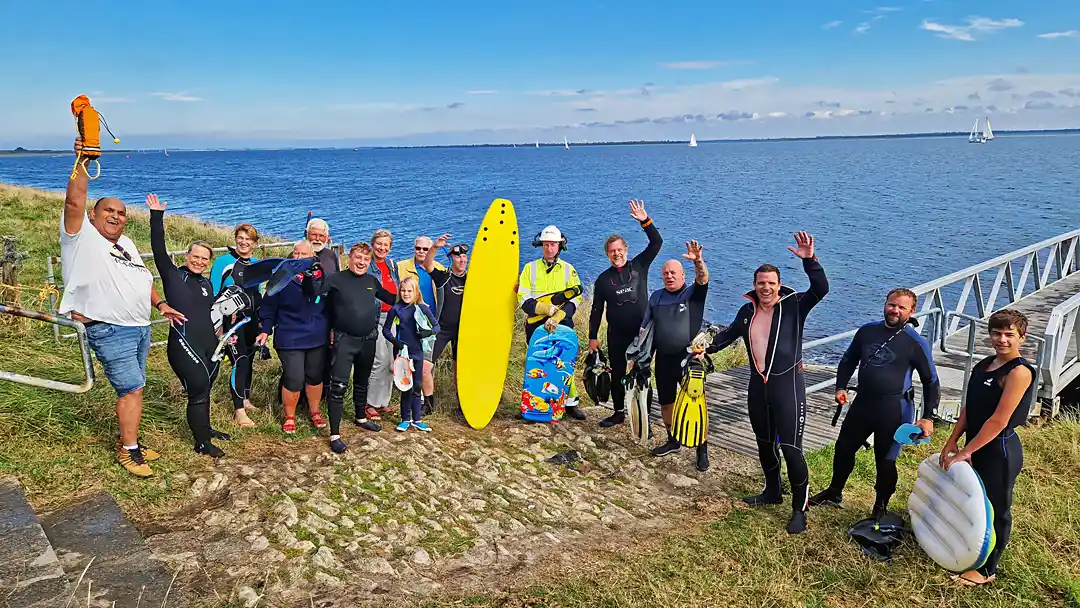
<point>298,322</point>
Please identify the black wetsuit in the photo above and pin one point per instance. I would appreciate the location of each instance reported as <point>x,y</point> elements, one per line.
<point>452,288</point>
<point>353,303</point>
<point>676,318</point>
<point>776,397</point>
<point>886,358</point>
<point>192,344</point>
<point>998,463</point>
<point>625,292</point>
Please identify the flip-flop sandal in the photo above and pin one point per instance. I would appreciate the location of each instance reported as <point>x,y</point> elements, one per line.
<point>242,419</point>
<point>289,426</point>
<point>372,413</point>
<point>967,582</point>
<point>318,420</point>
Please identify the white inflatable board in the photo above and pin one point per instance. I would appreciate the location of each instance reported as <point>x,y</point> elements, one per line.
<point>951,516</point>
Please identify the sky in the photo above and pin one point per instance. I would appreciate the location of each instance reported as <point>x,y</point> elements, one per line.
<point>239,74</point>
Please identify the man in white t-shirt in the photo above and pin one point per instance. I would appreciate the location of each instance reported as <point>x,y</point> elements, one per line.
<point>109,289</point>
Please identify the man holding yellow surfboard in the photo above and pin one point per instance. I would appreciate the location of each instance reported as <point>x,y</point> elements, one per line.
<point>546,276</point>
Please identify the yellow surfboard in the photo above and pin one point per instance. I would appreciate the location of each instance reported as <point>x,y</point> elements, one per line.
<point>486,327</point>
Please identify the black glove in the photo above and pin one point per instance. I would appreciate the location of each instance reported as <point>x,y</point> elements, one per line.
<point>425,333</point>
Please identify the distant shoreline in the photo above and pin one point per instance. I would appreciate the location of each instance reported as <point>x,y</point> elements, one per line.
<point>25,152</point>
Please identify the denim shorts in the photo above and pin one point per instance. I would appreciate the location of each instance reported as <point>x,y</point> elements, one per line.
<point>122,351</point>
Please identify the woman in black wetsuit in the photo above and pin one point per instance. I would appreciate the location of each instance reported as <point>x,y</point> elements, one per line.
<point>192,344</point>
<point>998,398</point>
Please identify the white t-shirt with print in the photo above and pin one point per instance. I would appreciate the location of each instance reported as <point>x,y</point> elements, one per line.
<point>99,282</point>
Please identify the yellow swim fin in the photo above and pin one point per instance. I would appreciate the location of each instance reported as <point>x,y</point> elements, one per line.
<point>690,418</point>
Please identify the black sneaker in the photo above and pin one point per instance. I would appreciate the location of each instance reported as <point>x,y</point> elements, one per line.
<point>765,498</point>
<point>670,447</point>
<point>338,446</point>
<point>575,413</point>
<point>367,425</point>
<point>209,449</point>
<point>612,420</point>
<point>703,457</point>
<point>797,525</point>
<point>827,498</point>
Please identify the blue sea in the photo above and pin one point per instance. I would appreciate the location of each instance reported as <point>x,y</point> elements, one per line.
<point>884,212</point>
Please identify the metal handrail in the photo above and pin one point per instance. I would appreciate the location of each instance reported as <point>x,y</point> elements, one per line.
<point>1063,316</point>
<point>84,347</point>
<point>933,327</point>
<point>974,321</point>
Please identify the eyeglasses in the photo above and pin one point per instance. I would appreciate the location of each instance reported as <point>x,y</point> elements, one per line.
<point>419,248</point>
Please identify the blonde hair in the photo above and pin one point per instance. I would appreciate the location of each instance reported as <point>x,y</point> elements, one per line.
<point>380,233</point>
<point>418,297</point>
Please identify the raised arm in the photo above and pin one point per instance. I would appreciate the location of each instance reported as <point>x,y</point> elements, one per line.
<point>819,283</point>
<point>166,267</point>
<point>75,199</point>
<point>694,254</point>
<point>647,255</point>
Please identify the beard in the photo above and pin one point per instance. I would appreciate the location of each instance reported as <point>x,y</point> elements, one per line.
<point>318,247</point>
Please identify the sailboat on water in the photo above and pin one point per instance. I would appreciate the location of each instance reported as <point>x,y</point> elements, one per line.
<point>693,142</point>
<point>565,143</point>
<point>166,151</point>
<point>538,143</point>
<point>980,137</point>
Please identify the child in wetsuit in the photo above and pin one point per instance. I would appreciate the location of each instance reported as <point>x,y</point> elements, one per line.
<point>416,333</point>
<point>998,398</point>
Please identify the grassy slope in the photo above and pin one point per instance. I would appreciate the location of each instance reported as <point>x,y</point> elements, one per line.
<point>78,429</point>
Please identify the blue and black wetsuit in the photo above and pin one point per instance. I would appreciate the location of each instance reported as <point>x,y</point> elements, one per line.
<point>408,334</point>
<point>999,462</point>
<point>192,344</point>
<point>776,396</point>
<point>886,358</point>
<point>228,269</point>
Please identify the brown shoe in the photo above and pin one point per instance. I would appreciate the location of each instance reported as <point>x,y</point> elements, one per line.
<point>133,461</point>
<point>148,454</point>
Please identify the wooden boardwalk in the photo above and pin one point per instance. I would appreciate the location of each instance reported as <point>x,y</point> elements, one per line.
<point>729,424</point>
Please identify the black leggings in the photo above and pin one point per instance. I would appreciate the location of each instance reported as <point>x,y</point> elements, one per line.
<point>242,356</point>
<point>444,337</point>
<point>778,417</point>
<point>618,342</point>
<point>192,366</point>
<point>879,415</point>
<point>350,355</point>
<point>998,463</point>
<point>302,366</point>
<point>412,400</point>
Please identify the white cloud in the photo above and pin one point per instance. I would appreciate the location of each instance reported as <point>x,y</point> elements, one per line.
<point>830,25</point>
<point>862,28</point>
<point>975,25</point>
<point>1053,35</point>
<point>699,65</point>
<point>481,92</point>
<point>181,96</point>
<point>561,92</point>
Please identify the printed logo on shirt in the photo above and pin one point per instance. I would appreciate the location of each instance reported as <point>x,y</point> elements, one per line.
<point>457,291</point>
<point>988,382</point>
<point>124,258</point>
<point>682,307</point>
<point>884,355</point>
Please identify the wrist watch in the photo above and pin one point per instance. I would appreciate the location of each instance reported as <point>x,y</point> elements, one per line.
<point>158,305</point>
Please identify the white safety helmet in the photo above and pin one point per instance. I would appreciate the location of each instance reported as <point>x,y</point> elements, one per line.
<point>550,234</point>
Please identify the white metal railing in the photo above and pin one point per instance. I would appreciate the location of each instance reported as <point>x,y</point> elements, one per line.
<point>1062,257</point>
<point>1062,333</point>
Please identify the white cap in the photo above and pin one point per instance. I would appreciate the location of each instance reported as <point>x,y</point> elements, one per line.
<point>551,233</point>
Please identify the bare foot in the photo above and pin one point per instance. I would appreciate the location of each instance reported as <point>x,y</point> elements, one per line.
<point>242,419</point>
<point>972,578</point>
<point>248,405</point>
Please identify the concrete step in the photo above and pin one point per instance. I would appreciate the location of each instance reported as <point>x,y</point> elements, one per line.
<point>122,570</point>
<point>30,573</point>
